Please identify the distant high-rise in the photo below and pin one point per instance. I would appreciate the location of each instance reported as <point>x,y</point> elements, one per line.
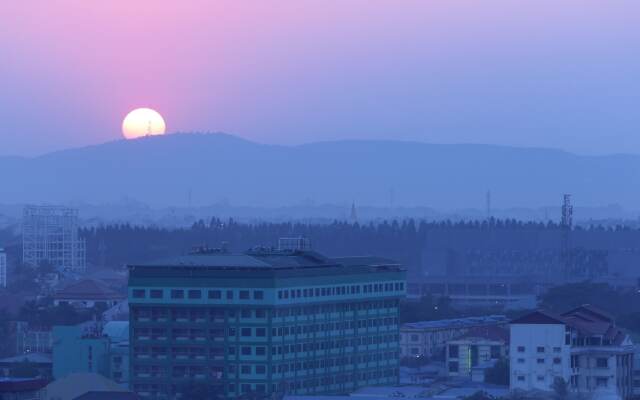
<point>50,234</point>
<point>3,268</point>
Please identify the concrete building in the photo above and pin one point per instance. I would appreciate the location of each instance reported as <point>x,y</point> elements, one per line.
<point>74,385</point>
<point>582,346</point>
<point>3,268</point>
<point>425,338</point>
<point>89,348</point>
<point>480,348</point>
<point>50,234</point>
<point>265,321</point>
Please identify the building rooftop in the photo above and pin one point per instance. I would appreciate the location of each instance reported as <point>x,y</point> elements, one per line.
<point>586,319</point>
<point>13,385</point>
<point>265,259</point>
<point>36,358</point>
<point>457,322</point>
<point>87,289</point>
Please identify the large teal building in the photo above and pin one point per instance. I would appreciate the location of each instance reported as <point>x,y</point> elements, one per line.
<point>264,322</point>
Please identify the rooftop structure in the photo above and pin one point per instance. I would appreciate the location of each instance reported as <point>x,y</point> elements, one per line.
<point>265,321</point>
<point>21,388</point>
<point>50,234</point>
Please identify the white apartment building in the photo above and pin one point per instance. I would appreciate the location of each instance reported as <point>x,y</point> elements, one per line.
<point>3,268</point>
<point>582,346</point>
<point>425,338</point>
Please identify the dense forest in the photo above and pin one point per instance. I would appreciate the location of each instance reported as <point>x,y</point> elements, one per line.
<point>405,241</point>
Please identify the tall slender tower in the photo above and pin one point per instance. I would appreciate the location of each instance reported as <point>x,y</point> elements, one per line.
<point>565,224</point>
<point>488,205</point>
<point>353,218</point>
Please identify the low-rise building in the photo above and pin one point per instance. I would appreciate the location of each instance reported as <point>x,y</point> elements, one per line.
<point>582,346</point>
<point>425,338</point>
<point>21,388</point>
<point>89,348</point>
<point>41,362</point>
<point>74,385</point>
<point>88,293</point>
<point>480,348</point>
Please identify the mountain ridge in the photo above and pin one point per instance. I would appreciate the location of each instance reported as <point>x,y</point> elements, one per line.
<point>215,167</point>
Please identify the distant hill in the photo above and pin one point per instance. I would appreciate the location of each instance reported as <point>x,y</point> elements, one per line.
<point>213,168</point>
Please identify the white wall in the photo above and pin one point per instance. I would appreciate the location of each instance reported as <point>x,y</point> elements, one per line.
<point>526,372</point>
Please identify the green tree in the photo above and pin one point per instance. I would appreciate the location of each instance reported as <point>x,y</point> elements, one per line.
<point>560,388</point>
<point>479,395</point>
<point>499,373</point>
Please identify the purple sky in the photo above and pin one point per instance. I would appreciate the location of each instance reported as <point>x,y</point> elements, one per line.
<point>549,73</point>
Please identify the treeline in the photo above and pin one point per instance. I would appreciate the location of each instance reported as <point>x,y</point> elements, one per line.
<point>405,241</point>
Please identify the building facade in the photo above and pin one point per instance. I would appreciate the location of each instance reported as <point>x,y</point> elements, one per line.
<point>425,338</point>
<point>92,348</point>
<point>480,348</point>
<point>3,268</point>
<point>582,346</point>
<point>268,322</point>
<point>50,234</point>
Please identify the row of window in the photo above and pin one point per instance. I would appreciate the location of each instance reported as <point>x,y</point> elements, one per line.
<point>213,294</point>
<point>539,349</point>
<point>214,352</point>
<point>371,377</point>
<point>340,290</point>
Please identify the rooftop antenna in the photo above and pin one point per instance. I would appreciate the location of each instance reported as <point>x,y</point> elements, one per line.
<point>488,204</point>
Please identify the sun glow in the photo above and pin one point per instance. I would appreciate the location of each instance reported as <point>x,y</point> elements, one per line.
<point>143,122</point>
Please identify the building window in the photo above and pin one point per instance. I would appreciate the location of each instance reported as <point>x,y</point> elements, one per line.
<point>215,294</point>
<point>540,378</point>
<point>260,313</point>
<point>229,294</point>
<point>258,295</point>
<point>177,294</point>
<point>232,332</point>
<point>195,294</point>
<point>261,369</point>
<point>521,349</point>
<point>453,366</point>
<point>520,378</point>
<point>139,293</point>
<point>415,338</point>
<point>245,332</point>
<point>495,352</point>
<point>245,313</point>
<point>245,350</point>
<point>540,360</point>
<point>244,294</point>
<point>556,349</point>
<point>245,369</point>
<point>557,360</point>
<point>602,362</point>
<point>520,360</point>
<point>453,351</point>
<point>540,349</point>
<point>261,332</point>
<point>155,293</point>
<point>245,387</point>
<point>601,381</point>
<point>260,351</point>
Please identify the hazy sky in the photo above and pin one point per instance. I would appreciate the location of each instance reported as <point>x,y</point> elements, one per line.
<point>547,73</point>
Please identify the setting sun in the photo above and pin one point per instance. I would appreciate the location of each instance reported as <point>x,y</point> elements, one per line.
<point>143,122</point>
